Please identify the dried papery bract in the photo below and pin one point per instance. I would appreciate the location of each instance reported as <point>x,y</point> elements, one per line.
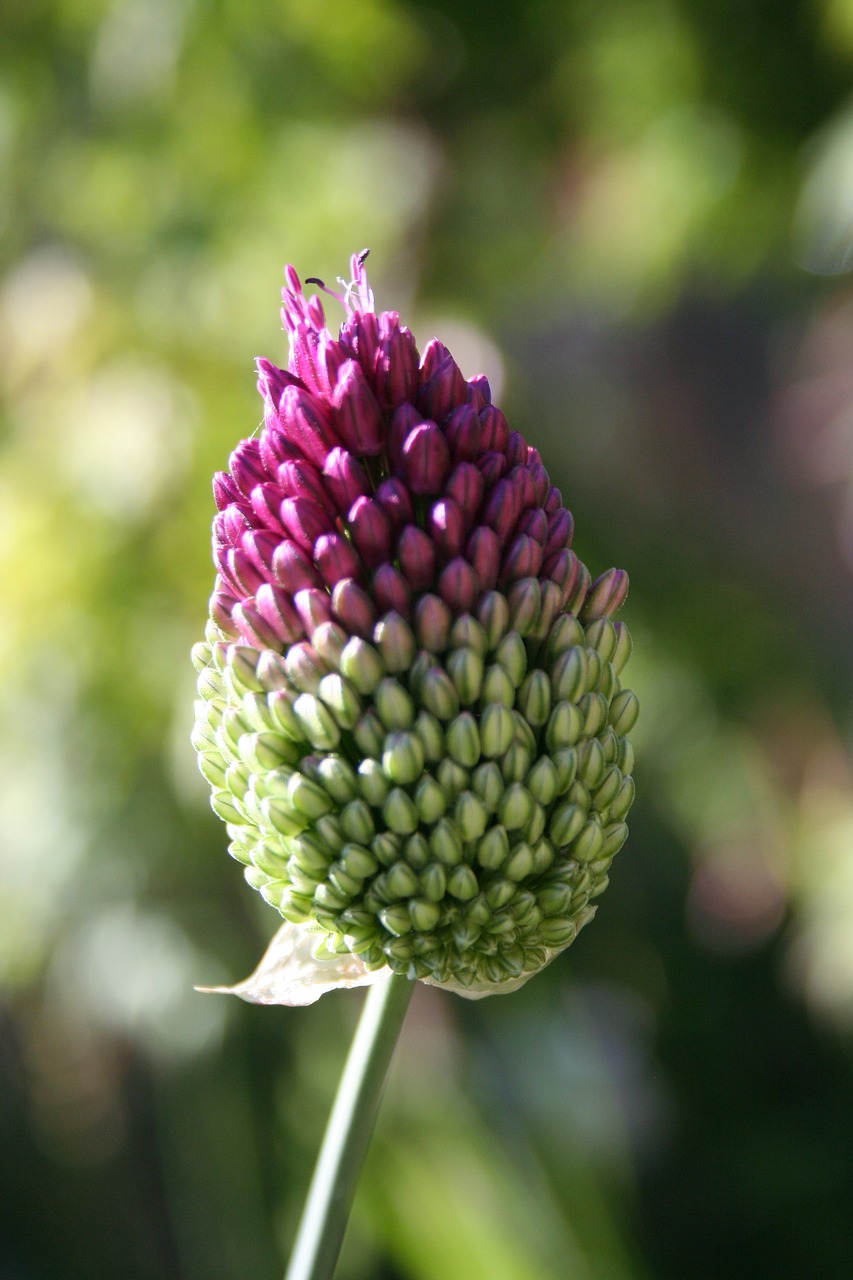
<point>410,703</point>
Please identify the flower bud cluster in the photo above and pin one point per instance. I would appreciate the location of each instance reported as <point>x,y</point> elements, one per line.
<point>410,710</point>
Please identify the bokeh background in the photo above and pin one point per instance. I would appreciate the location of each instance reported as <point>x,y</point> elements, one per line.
<point>637,218</point>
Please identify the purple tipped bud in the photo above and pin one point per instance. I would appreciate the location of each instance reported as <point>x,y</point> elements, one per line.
<point>606,595</point>
<point>484,555</point>
<point>314,608</point>
<point>345,478</point>
<point>433,620</point>
<point>304,520</point>
<point>292,568</point>
<point>466,486</point>
<point>459,586</point>
<point>563,568</point>
<point>246,466</point>
<point>395,370</point>
<point>553,500</point>
<point>225,490</point>
<point>278,611</point>
<point>371,531</point>
<point>391,591</point>
<point>254,628</point>
<point>523,559</point>
<point>416,553</point>
<point>443,390</point>
<point>462,432</point>
<point>525,600</point>
<point>222,604</point>
<point>358,417</point>
<point>395,499</point>
<point>353,608</point>
<point>299,479</point>
<point>393,637</point>
<point>305,668</point>
<point>336,558</point>
<point>574,599</point>
<point>405,419</point>
<point>426,458</point>
<point>307,425</point>
<point>495,429</point>
<point>523,487</point>
<point>446,525</point>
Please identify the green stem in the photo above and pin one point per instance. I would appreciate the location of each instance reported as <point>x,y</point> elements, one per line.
<point>347,1136</point>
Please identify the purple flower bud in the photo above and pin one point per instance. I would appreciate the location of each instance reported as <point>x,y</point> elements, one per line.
<point>277,609</point>
<point>433,620</point>
<point>606,595</point>
<point>316,358</point>
<point>230,525</point>
<point>345,478</point>
<point>307,425</point>
<point>462,432</point>
<point>304,520</point>
<point>541,483</point>
<point>254,628</point>
<point>482,392</point>
<point>260,546</point>
<point>299,479</point>
<point>225,490</point>
<point>573,601</point>
<point>392,591</point>
<point>239,572</point>
<point>492,466</point>
<point>314,607</point>
<point>416,553</point>
<point>359,338</point>
<point>434,353</point>
<point>443,390</point>
<point>305,668</point>
<point>336,558</point>
<point>404,420</point>
<point>271,383</point>
<point>353,608</point>
<point>371,531</point>
<point>563,567</point>
<point>484,555</point>
<point>522,483</point>
<point>501,509</point>
<point>395,370</point>
<point>553,500</point>
<point>395,499</point>
<point>534,523</point>
<point>495,429</point>
<point>358,417</point>
<point>466,486</point>
<point>459,586</point>
<point>426,458</point>
<point>222,604</point>
<point>523,559</point>
<point>561,526</point>
<point>246,466</point>
<point>292,568</point>
<point>446,525</point>
<point>524,600</point>
<point>276,447</point>
<point>516,449</point>
<point>266,505</point>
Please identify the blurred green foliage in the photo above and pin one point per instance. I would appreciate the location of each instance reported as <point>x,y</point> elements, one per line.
<point>636,216</point>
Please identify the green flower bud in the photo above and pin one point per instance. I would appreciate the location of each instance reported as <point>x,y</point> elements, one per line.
<point>516,807</point>
<point>430,732</point>
<point>470,816</point>
<point>520,863</point>
<point>624,710</point>
<point>372,782</point>
<point>400,881</point>
<point>358,861</point>
<point>341,699</point>
<point>439,695</point>
<point>213,769</point>
<point>493,614</point>
<point>624,647</point>
<point>591,763</point>
<point>396,643</point>
<point>387,847</point>
<point>569,675</point>
<point>396,919</point>
<point>452,778</point>
<point>589,844</point>
<point>567,820</point>
<point>542,780</point>
<point>337,778</point>
<point>432,882</point>
<point>465,668</point>
<point>496,729</point>
<point>399,812</point>
<point>357,822</point>
<point>445,843</point>
<point>534,698</point>
<point>607,789</point>
<point>361,664</point>
<point>564,727</point>
<point>594,709</point>
<point>497,687</point>
<point>430,799</point>
<point>393,705</point>
<point>369,734</point>
<point>525,601</point>
<point>515,763</point>
<point>487,782</point>
<point>316,722</point>
<point>463,740</point>
<point>416,851</point>
<point>512,656</point>
<point>403,757</point>
<point>623,800</point>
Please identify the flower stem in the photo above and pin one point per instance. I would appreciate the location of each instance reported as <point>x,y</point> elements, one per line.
<point>348,1132</point>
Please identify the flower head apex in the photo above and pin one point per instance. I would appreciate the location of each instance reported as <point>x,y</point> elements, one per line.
<point>410,703</point>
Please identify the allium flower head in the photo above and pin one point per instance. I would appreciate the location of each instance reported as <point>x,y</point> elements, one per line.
<point>410,709</point>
